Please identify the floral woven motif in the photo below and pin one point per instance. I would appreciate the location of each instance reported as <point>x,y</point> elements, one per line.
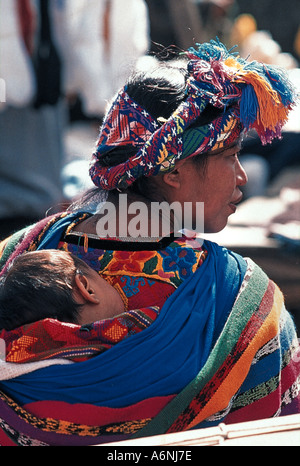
<point>143,278</point>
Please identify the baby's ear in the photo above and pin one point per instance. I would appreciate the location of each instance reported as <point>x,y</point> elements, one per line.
<point>84,289</point>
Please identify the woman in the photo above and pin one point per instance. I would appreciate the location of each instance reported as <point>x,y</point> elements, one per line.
<point>211,340</point>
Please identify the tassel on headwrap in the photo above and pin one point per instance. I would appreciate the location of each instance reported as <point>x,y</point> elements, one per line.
<point>252,96</point>
<point>265,94</point>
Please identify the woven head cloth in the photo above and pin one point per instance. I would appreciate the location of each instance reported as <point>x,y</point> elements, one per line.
<point>251,96</point>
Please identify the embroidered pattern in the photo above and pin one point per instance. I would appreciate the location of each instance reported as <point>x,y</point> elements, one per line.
<point>251,95</point>
<point>143,277</point>
<point>51,339</point>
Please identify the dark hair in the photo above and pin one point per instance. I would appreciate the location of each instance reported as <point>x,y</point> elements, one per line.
<point>159,91</point>
<point>39,285</point>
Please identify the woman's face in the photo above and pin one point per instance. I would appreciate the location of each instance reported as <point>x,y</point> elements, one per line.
<point>217,186</point>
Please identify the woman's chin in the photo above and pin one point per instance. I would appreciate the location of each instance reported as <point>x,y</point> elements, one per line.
<point>216,227</point>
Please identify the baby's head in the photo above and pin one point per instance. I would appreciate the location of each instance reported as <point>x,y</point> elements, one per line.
<point>54,284</point>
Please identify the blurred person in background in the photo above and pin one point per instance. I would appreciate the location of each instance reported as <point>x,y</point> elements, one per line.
<point>122,38</point>
<point>31,118</point>
<point>176,23</point>
<point>216,17</point>
<point>264,163</point>
<point>280,19</point>
<point>51,50</point>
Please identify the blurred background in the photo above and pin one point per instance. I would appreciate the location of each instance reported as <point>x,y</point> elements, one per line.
<point>61,61</point>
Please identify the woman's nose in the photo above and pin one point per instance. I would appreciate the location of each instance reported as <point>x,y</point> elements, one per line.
<point>241,175</point>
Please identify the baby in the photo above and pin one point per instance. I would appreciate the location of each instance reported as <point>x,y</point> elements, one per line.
<point>55,284</point>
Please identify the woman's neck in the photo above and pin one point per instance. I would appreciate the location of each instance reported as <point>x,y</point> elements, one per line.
<point>130,216</point>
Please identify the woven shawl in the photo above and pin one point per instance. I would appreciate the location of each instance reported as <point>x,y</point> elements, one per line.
<point>188,369</point>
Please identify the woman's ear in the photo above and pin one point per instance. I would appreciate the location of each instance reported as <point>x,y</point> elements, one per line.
<point>84,289</point>
<point>171,179</point>
<point>174,178</point>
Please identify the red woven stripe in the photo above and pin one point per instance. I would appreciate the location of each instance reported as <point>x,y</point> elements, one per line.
<point>214,384</point>
<point>95,415</point>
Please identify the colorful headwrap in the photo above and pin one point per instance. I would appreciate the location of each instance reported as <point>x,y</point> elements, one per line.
<point>252,96</point>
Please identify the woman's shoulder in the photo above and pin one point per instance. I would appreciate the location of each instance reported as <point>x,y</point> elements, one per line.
<point>225,258</point>
<point>41,235</point>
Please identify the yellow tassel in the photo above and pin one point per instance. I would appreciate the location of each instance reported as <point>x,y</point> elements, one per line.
<point>271,109</point>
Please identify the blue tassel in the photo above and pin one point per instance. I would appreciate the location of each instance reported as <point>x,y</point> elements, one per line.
<point>277,78</point>
<point>248,106</point>
<point>213,49</point>
<point>280,83</point>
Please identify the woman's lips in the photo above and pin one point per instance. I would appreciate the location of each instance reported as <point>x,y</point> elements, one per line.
<point>233,207</point>
<point>233,204</point>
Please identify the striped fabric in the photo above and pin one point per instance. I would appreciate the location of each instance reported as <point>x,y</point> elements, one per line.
<point>253,372</point>
<point>189,369</point>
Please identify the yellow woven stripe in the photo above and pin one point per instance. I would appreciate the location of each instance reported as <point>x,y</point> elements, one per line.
<point>237,375</point>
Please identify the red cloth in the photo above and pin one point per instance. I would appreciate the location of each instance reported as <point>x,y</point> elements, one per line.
<point>49,338</point>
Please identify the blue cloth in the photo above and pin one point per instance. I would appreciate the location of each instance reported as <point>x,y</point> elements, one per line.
<point>160,360</point>
<point>55,232</point>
